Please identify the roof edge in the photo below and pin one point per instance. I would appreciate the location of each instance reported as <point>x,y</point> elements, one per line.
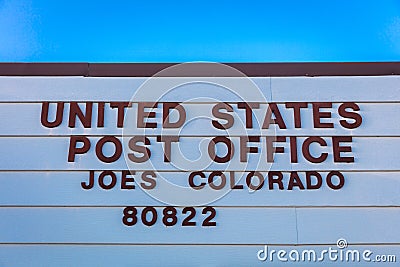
<point>249,69</point>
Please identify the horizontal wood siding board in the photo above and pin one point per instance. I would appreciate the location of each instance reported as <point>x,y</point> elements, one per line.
<point>234,226</point>
<point>371,154</point>
<point>275,89</point>
<point>56,188</point>
<point>104,225</point>
<point>17,117</point>
<point>169,255</point>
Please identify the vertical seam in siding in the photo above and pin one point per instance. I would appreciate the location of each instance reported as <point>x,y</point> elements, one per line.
<point>297,230</point>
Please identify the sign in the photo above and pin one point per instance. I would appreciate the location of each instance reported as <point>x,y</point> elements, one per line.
<point>198,164</point>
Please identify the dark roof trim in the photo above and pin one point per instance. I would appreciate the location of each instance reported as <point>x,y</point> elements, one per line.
<point>250,69</point>
<point>43,69</point>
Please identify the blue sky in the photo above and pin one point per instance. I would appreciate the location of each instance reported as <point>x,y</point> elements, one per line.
<point>220,31</point>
